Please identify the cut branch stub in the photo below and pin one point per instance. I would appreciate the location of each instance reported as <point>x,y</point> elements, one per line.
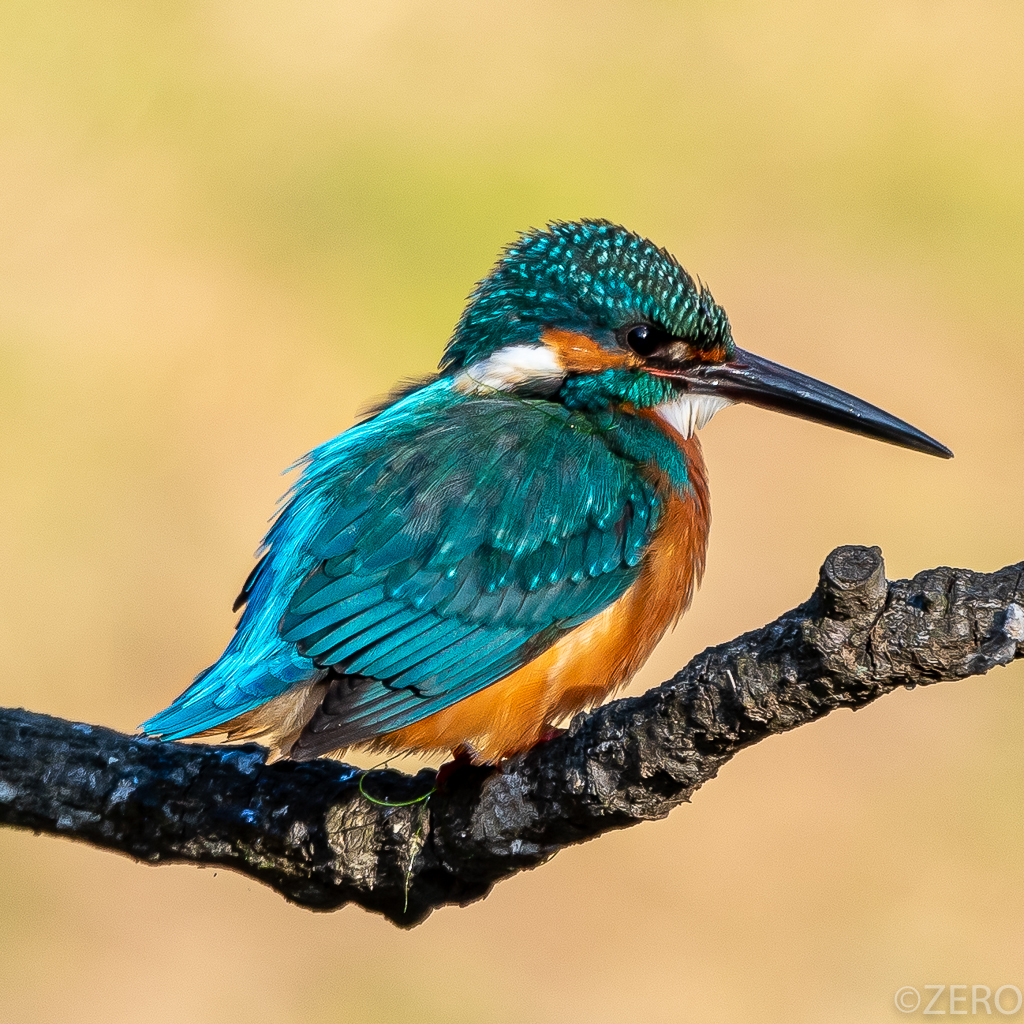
<point>852,582</point>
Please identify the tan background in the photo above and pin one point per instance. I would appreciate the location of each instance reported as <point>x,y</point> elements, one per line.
<point>224,225</point>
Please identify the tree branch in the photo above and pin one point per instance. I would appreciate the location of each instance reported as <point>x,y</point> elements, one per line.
<point>319,833</point>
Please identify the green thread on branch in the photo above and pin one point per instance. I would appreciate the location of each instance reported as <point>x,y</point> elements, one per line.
<point>389,803</point>
<point>416,840</point>
<point>415,845</point>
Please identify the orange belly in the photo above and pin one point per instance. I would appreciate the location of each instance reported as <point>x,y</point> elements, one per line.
<point>592,661</point>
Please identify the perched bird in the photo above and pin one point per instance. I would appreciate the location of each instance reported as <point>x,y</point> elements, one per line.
<point>503,544</point>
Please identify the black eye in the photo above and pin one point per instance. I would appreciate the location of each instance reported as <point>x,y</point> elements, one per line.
<point>644,339</point>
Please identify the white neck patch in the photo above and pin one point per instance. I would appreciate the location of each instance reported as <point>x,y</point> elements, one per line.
<point>689,413</point>
<point>512,367</point>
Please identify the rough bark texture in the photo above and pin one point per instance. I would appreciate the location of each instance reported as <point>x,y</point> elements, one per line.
<point>320,834</point>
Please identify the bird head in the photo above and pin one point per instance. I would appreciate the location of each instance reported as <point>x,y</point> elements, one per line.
<point>595,317</point>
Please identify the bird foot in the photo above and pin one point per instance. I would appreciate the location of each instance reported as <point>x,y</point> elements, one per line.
<point>549,732</point>
<point>463,756</point>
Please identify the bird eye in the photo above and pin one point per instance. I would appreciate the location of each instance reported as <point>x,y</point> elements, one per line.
<point>644,339</point>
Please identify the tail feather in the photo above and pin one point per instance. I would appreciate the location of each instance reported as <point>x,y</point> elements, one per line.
<point>222,693</point>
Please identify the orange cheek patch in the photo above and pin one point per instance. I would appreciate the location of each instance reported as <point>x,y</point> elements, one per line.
<point>713,355</point>
<point>581,354</point>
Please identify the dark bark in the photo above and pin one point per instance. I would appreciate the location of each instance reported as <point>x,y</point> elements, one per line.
<point>319,833</point>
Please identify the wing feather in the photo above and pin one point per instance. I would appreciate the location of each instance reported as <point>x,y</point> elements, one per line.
<point>426,554</point>
<point>509,526</point>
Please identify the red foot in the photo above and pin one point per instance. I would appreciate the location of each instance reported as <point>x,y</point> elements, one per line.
<point>549,732</point>
<point>462,757</point>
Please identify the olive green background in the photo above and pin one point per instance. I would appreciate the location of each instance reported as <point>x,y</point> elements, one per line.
<point>225,225</point>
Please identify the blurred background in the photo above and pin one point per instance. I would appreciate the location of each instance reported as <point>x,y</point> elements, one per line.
<point>226,225</point>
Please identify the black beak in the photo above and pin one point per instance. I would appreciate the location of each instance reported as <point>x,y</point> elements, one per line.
<point>757,381</point>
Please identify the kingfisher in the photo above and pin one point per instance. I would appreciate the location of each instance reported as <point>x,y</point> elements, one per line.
<point>502,544</point>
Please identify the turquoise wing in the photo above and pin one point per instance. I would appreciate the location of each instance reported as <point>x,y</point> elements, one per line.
<point>428,553</point>
<point>459,553</point>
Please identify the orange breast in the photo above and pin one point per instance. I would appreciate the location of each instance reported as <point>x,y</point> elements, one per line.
<point>596,658</point>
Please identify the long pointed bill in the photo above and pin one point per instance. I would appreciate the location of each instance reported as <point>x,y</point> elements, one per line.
<point>757,381</point>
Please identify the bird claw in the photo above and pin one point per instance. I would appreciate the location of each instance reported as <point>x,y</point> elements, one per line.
<point>549,732</point>
<point>463,756</point>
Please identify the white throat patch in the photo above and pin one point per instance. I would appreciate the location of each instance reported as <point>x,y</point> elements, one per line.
<point>511,367</point>
<point>689,413</point>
